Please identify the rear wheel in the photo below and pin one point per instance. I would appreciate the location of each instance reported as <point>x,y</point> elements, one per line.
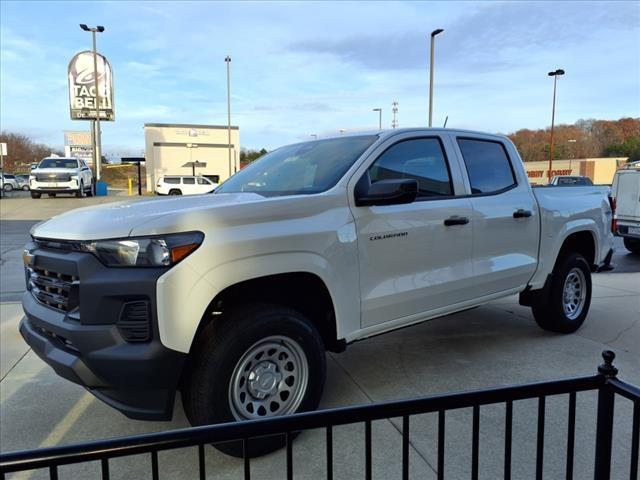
<point>175,191</point>
<point>632,244</point>
<point>25,188</point>
<point>565,307</point>
<point>259,361</point>
<point>35,194</point>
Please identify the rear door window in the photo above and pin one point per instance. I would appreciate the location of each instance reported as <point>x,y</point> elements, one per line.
<point>488,165</point>
<point>188,180</point>
<point>172,180</point>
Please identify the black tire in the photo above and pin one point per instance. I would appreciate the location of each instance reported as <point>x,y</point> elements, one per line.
<point>221,347</point>
<point>549,310</point>
<point>25,188</point>
<point>80,192</point>
<point>7,187</point>
<point>35,194</point>
<point>175,191</point>
<point>92,189</point>
<point>632,244</point>
<point>52,195</point>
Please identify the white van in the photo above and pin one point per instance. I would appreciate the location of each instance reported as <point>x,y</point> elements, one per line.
<point>184,185</point>
<point>625,190</point>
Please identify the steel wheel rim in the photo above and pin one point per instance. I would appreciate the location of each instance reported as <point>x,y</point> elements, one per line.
<point>574,293</point>
<point>270,379</point>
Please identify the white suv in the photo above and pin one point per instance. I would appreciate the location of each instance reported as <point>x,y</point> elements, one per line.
<point>61,175</point>
<point>184,185</point>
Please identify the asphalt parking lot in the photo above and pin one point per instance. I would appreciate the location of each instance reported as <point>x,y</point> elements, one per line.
<point>495,344</point>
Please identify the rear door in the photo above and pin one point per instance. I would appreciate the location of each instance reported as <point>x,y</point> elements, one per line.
<point>628,195</point>
<point>410,261</point>
<point>505,215</point>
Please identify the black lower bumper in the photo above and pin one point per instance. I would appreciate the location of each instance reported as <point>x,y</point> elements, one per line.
<point>87,347</point>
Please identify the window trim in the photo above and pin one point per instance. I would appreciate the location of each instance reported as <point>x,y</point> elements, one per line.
<point>515,183</point>
<point>446,162</point>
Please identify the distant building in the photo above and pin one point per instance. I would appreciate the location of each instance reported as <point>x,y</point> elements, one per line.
<point>78,144</point>
<point>599,170</point>
<point>170,147</point>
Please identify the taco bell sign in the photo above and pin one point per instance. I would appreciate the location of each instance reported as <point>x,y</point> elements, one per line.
<point>82,94</point>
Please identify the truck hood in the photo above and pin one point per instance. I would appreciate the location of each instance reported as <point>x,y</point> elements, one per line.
<point>117,220</point>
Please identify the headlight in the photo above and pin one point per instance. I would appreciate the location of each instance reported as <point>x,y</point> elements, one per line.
<point>161,251</point>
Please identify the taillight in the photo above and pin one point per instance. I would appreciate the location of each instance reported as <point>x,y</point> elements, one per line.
<point>614,220</point>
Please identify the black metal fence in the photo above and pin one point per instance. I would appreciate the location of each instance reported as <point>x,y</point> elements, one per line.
<point>605,383</point>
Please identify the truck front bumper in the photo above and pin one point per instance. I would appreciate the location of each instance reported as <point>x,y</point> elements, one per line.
<point>91,342</point>
<point>54,187</point>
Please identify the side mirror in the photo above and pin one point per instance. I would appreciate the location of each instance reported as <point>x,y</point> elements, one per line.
<point>385,192</point>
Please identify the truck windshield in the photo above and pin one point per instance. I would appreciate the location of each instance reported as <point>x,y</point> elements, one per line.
<point>303,168</point>
<point>58,163</point>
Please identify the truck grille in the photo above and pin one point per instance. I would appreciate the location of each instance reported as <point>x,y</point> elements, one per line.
<point>51,288</point>
<point>53,177</point>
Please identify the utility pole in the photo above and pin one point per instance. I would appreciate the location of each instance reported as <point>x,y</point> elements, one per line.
<point>394,110</point>
<point>555,76</point>
<point>228,62</point>
<point>431,62</point>
<point>97,136</point>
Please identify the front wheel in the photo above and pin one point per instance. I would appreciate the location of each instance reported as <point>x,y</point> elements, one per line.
<point>260,361</point>
<point>566,306</point>
<point>7,187</point>
<point>632,244</point>
<point>80,192</point>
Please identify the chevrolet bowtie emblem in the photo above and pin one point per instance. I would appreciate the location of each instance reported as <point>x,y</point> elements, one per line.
<point>52,175</point>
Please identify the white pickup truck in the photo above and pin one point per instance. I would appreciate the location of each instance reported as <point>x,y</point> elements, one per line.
<point>233,298</point>
<point>56,175</point>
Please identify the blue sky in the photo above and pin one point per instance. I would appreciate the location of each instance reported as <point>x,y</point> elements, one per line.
<point>314,68</point>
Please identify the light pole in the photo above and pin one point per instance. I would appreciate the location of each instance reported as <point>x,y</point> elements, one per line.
<point>431,61</point>
<point>379,110</point>
<point>555,76</point>
<point>227,60</point>
<point>97,140</point>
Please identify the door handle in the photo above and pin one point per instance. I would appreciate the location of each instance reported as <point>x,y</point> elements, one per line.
<point>455,220</point>
<point>522,213</point>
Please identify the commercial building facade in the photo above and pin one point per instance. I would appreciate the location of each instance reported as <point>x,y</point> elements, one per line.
<point>599,170</point>
<point>78,144</point>
<point>173,148</point>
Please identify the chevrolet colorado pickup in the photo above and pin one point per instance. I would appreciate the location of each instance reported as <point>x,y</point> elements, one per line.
<point>233,298</point>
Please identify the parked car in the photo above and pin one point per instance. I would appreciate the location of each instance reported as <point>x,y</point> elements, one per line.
<point>625,192</point>
<point>23,181</point>
<point>233,298</point>
<point>9,182</point>
<point>57,175</point>
<point>570,181</point>
<point>184,185</point>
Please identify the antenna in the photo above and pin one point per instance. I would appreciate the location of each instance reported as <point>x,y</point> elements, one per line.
<point>394,109</point>
<point>445,122</point>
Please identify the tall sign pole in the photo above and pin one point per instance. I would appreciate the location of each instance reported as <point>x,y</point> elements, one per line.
<point>228,62</point>
<point>98,142</point>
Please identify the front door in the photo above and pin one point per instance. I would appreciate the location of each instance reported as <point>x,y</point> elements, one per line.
<point>410,261</point>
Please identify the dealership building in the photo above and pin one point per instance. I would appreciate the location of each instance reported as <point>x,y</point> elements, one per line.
<point>599,170</point>
<point>176,149</point>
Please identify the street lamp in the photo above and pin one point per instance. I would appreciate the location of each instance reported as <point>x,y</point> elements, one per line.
<point>555,76</point>
<point>379,110</point>
<point>97,142</point>
<point>431,60</point>
<point>227,60</point>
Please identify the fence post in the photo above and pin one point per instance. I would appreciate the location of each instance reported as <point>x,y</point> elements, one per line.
<point>604,429</point>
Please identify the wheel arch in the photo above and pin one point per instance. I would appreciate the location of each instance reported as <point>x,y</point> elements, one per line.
<point>303,291</point>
